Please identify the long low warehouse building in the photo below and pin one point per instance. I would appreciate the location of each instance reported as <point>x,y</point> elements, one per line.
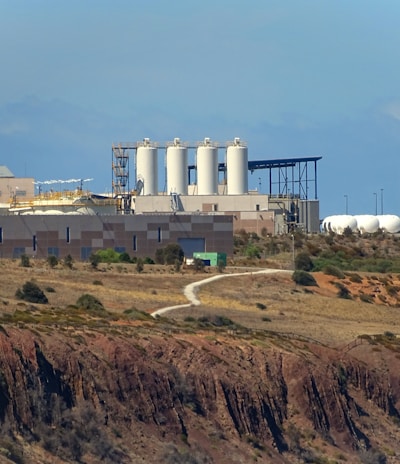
<point>138,235</point>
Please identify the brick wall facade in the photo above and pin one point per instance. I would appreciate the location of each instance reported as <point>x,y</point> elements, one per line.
<point>138,235</point>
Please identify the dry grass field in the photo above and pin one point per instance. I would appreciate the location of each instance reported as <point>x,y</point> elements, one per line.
<point>270,302</point>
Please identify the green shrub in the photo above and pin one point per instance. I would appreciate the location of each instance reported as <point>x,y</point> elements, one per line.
<point>52,261</point>
<point>124,257</point>
<point>169,254</point>
<point>221,266</point>
<point>334,271</point>
<point>343,291</point>
<point>304,278</point>
<point>108,256</point>
<point>68,261</point>
<point>261,306</point>
<point>177,265</point>
<point>392,290</point>
<point>136,315</point>
<point>355,278</point>
<point>252,251</point>
<point>139,265</point>
<point>366,298</point>
<point>32,293</point>
<point>90,302</point>
<point>198,264</point>
<point>25,262</point>
<point>303,262</point>
<point>94,260</point>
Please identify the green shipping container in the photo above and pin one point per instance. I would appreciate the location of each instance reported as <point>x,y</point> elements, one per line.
<point>211,259</point>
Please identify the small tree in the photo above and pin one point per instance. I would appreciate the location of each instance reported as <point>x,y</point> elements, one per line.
<point>159,256</point>
<point>90,302</point>
<point>221,266</point>
<point>172,252</point>
<point>198,264</point>
<point>177,265</point>
<point>25,262</point>
<point>303,262</point>
<point>94,260</point>
<point>343,291</point>
<point>68,261</point>
<point>304,278</point>
<point>124,257</point>
<point>32,293</point>
<point>52,261</point>
<point>139,265</point>
<point>252,251</point>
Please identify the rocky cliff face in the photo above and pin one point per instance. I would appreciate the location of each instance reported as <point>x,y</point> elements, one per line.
<point>144,395</point>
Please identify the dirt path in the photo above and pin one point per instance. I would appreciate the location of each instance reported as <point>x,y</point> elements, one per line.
<point>190,291</point>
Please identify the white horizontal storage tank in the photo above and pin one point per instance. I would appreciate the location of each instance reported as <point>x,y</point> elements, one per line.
<point>177,168</point>
<point>389,223</point>
<point>366,223</point>
<point>237,168</point>
<point>147,167</point>
<point>339,223</point>
<point>207,168</point>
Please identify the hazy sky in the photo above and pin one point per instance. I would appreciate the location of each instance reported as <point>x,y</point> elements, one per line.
<point>290,77</point>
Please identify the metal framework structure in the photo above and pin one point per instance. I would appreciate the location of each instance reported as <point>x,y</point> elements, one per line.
<point>288,177</point>
<point>120,177</point>
<point>291,176</point>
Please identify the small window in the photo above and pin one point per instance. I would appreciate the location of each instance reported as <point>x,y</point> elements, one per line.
<point>134,243</point>
<point>1,235</point>
<point>257,207</point>
<point>34,243</point>
<point>53,251</point>
<point>215,207</point>
<point>18,251</point>
<point>159,235</point>
<point>68,235</point>
<point>85,253</point>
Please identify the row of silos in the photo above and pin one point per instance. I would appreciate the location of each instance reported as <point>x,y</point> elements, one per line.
<point>206,165</point>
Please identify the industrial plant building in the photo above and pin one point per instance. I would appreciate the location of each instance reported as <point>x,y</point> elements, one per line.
<point>218,187</point>
<point>200,206</point>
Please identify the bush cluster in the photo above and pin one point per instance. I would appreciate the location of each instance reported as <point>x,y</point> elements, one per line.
<point>169,254</point>
<point>32,293</point>
<point>304,278</point>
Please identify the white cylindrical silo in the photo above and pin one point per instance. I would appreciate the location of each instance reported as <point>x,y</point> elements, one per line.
<point>207,168</point>
<point>237,168</point>
<point>177,168</point>
<point>147,167</point>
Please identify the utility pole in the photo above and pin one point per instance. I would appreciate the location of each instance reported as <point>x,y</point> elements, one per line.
<point>293,255</point>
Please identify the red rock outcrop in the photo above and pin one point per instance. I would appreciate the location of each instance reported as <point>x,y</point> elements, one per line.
<point>145,396</point>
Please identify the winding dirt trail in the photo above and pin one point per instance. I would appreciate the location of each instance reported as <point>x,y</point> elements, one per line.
<point>190,291</point>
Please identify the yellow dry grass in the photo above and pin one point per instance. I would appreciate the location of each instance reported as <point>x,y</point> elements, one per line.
<point>313,312</point>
